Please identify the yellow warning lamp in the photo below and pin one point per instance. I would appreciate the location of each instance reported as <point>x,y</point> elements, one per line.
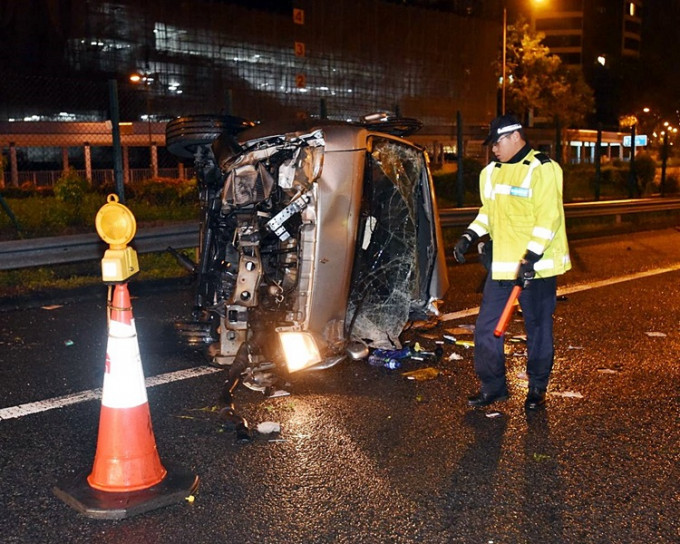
<point>117,226</point>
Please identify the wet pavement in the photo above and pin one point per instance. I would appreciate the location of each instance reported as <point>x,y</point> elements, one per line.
<point>364,454</point>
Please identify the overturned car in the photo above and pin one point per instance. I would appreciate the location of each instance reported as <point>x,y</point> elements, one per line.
<point>319,239</point>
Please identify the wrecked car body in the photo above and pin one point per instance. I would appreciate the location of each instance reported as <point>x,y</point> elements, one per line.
<point>319,239</point>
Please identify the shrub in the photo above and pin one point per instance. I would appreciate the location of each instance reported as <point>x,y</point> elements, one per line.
<point>15,192</point>
<point>71,188</point>
<point>645,169</point>
<point>445,184</point>
<point>109,187</point>
<point>672,185</point>
<point>166,191</point>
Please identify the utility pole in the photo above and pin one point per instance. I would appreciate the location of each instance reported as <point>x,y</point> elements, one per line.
<point>115,137</point>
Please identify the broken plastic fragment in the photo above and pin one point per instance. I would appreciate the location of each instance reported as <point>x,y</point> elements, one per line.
<point>422,374</point>
<point>574,347</point>
<point>656,334</point>
<point>541,457</point>
<point>68,343</point>
<point>268,427</point>
<point>567,394</point>
<point>190,499</point>
<point>278,393</point>
<point>607,371</point>
<point>393,353</point>
<point>465,343</point>
<point>455,357</point>
<point>449,338</point>
<point>260,377</point>
<point>493,414</point>
<point>51,307</point>
<point>461,330</point>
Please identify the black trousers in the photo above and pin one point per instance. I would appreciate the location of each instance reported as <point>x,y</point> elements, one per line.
<point>538,305</point>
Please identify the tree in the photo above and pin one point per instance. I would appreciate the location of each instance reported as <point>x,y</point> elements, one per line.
<point>539,84</point>
<point>538,81</point>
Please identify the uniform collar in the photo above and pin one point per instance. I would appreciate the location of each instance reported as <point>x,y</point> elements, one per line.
<point>519,155</point>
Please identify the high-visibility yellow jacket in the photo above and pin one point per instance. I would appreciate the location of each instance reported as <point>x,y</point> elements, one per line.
<point>522,210</point>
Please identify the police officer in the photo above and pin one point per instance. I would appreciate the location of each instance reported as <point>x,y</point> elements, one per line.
<point>523,214</point>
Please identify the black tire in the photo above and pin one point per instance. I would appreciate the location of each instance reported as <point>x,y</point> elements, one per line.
<point>396,126</point>
<point>184,135</point>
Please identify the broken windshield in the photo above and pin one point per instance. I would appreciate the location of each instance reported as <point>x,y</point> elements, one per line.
<point>386,274</point>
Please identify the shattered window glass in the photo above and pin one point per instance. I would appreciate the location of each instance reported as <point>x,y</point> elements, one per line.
<point>386,274</point>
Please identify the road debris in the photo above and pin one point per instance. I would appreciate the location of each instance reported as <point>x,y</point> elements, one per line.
<point>607,371</point>
<point>493,414</point>
<point>260,378</point>
<point>278,393</point>
<point>455,357</point>
<point>540,457</point>
<point>268,427</point>
<point>462,330</point>
<point>567,394</point>
<point>422,374</point>
<point>656,334</point>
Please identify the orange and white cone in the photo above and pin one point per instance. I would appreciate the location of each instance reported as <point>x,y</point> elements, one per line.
<point>126,458</point>
<point>127,476</point>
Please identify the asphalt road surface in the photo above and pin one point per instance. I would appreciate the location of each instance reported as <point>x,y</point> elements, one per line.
<point>365,455</point>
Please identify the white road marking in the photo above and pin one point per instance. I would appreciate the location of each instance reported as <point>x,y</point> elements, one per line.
<point>576,288</point>
<point>22,410</point>
<point>59,402</point>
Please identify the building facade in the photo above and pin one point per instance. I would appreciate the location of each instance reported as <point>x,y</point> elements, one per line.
<point>597,36</point>
<point>255,59</point>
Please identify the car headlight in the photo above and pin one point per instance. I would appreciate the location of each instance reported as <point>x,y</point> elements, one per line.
<point>300,350</point>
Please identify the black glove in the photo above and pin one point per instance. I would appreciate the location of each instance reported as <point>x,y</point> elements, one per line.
<point>485,250</point>
<point>466,240</point>
<point>526,271</point>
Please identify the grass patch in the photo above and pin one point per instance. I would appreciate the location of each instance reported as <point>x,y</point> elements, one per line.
<point>152,266</point>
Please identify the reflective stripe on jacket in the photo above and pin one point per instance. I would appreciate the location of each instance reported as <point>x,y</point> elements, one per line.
<point>522,210</point>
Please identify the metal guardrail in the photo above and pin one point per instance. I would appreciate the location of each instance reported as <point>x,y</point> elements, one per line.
<point>17,254</point>
<point>84,247</point>
<point>460,217</point>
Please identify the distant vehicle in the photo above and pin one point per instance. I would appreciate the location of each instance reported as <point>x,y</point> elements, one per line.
<point>319,239</point>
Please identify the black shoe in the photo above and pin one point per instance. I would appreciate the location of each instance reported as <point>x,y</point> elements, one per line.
<point>535,399</point>
<point>484,399</point>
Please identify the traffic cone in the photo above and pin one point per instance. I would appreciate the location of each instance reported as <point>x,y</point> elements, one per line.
<point>126,458</point>
<point>127,476</point>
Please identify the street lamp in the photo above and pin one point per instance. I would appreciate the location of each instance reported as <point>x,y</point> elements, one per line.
<point>147,80</point>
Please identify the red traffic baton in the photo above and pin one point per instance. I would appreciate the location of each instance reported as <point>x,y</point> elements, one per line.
<point>507,311</point>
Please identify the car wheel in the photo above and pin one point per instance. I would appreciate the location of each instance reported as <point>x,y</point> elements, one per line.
<point>184,135</point>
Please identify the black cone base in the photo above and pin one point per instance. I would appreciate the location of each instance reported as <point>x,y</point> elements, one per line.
<point>174,488</point>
